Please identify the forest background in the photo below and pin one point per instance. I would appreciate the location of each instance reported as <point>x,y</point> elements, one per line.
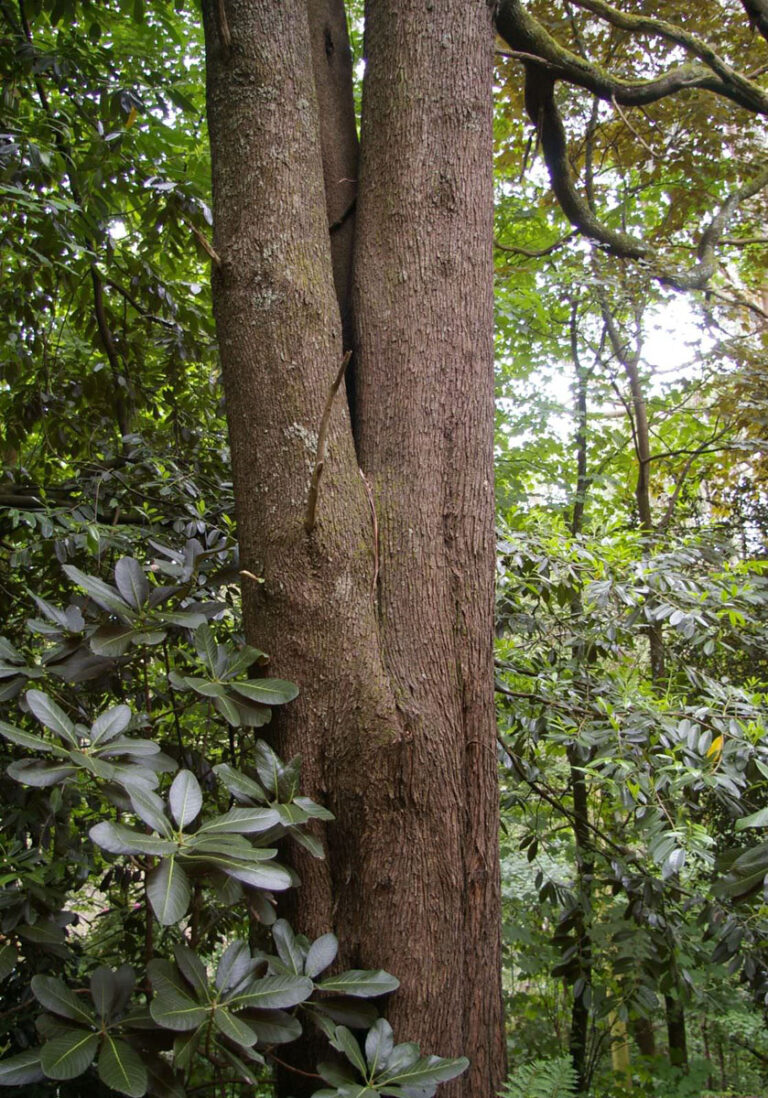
<point>631,610</point>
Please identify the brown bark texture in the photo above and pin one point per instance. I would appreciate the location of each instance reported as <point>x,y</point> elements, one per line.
<point>383,611</point>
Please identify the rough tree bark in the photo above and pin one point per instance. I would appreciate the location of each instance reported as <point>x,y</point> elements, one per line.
<point>382,609</point>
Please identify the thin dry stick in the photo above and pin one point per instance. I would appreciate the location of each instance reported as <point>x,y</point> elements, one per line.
<point>309,521</point>
<point>631,128</point>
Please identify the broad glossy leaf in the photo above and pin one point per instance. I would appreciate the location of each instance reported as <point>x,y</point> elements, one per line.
<point>51,715</point>
<point>424,1072</point>
<point>274,1027</point>
<point>338,1075</point>
<point>168,891</point>
<point>321,953</point>
<point>234,1028</point>
<point>111,990</point>
<point>185,798</point>
<point>17,1071</point>
<point>757,819</point>
<point>28,739</point>
<point>235,964</point>
<point>271,876</point>
<point>69,1055</point>
<point>379,1044</point>
<point>229,711</point>
<point>266,691</point>
<point>118,839</point>
<point>110,724</point>
<point>150,808</point>
<point>173,1010</point>
<point>288,949</point>
<point>244,659</point>
<point>102,593</point>
<point>131,582</point>
<point>205,687</point>
<point>112,641</point>
<point>272,992</point>
<point>241,821</point>
<point>345,1011</point>
<point>54,995</point>
<point>309,842</point>
<point>206,646</point>
<point>121,1068</point>
<point>40,774</point>
<point>315,810</point>
<point>240,785</point>
<point>366,984</point>
<point>193,970</point>
<point>345,1042</point>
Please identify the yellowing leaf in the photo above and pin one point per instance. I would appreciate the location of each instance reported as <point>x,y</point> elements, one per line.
<point>716,748</point>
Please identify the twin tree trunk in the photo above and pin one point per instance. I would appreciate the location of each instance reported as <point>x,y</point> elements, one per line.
<point>382,612</point>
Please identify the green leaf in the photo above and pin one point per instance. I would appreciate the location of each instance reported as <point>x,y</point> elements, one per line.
<point>274,877</point>
<point>40,774</point>
<point>185,798</point>
<point>193,970</point>
<point>272,992</point>
<point>121,1068</point>
<point>266,691</point>
<point>110,724</point>
<point>241,821</point>
<point>168,891</point>
<point>236,963</point>
<point>346,1043</point>
<point>18,1071</point>
<point>205,687</point>
<point>54,995</point>
<point>111,990</point>
<point>229,711</point>
<point>8,959</point>
<point>112,641</point>
<point>27,739</point>
<point>757,819</point>
<point>234,1028</point>
<point>424,1072</point>
<point>321,954</point>
<point>206,647</point>
<point>244,659</point>
<point>118,839</point>
<point>101,593</point>
<point>366,984</point>
<point>288,949</point>
<point>69,1055</point>
<point>173,1010</point>
<point>379,1044</point>
<point>149,807</point>
<point>52,716</point>
<point>240,785</point>
<point>131,582</point>
<point>274,1027</point>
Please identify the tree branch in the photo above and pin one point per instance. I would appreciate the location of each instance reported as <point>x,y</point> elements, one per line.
<point>523,33</point>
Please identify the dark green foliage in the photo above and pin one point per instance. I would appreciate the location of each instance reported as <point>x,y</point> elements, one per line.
<point>183,848</point>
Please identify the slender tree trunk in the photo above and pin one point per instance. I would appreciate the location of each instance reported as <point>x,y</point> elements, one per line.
<point>676,1036</point>
<point>642,1031</point>
<point>580,1013</point>
<point>381,606</point>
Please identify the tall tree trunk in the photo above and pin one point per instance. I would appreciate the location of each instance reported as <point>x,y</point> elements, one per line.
<point>381,607</point>
<point>585,868</point>
<point>676,1036</point>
